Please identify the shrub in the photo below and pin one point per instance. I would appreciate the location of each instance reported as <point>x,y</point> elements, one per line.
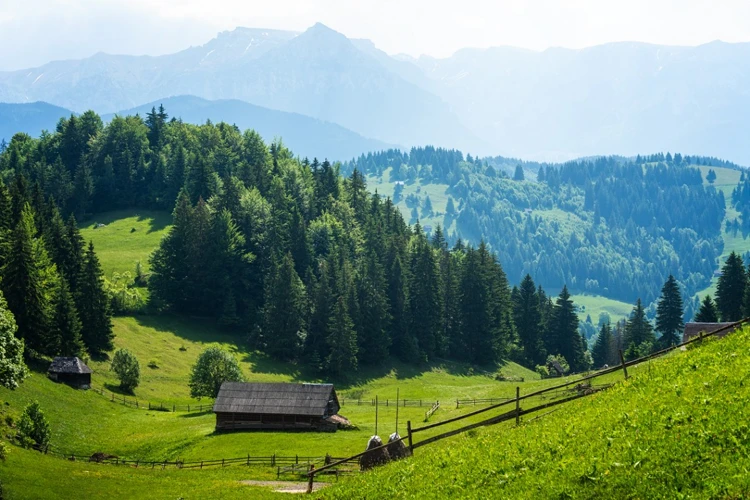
<point>214,366</point>
<point>4,450</point>
<point>127,368</point>
<point>561,360</point>
<point>124,298</point>
<point>12,368</point>
<point>183,348</point>
<point>542,370</point>
<point>33,428</point>
<point>153,364</point>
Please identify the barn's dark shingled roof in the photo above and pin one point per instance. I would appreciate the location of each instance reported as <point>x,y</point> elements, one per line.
<point>273,398</point>
<point>694,329</point>
<point>68,365</point>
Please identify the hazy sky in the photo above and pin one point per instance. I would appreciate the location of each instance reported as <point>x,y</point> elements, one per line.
<point>33,32</point>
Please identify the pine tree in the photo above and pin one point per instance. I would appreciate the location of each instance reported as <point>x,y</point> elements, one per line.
<point>477,322</point>
<point>284,314</point>
<point>65,332</point>
<point>669,313</point>
<point>518,175</point>
<point>707,313</point>
<point>731,288</point>
<point>28,281</point>
<point>404,345</point>
<point>322,302</point>
<point>342,340</point>
<point>94,312</point>
<point>639,334</point>
<point>424,297</point>
<point>601,352</point>
<point>566,335</point>
<point>372,334</point>
<point>528,320</point>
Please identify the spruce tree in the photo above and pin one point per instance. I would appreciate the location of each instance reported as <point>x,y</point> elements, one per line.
<point>707,312</point>
<point>669,313</point>
<point>479,339</point>
<point>731,289</point>
<point>527,318</point>
<point>566,336</point>
<point>94,312</point>
<point>638,338</point>
<point>284,314</point>
<point>342,340</point>
<point>404,345</point>
<point>322,302</point>
<point>424,297</point>
<point>65,332</point>
<point>601,352</point>
<point>28,282</point>
<point>372,333</point>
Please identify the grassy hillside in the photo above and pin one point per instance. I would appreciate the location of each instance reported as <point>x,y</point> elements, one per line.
<point>726,181</point>
<point>127,237</point>
<point>677,429</point>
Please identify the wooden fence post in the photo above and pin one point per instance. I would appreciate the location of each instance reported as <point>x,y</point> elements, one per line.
<point>173,408</point>
<point>408,431</point>
<point>311,478</point>
<point>518,402</point>
<point>624,368</point>
<point>248,459</point>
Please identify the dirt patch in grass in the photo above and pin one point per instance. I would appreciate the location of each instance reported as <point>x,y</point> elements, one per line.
<point>285,486</point>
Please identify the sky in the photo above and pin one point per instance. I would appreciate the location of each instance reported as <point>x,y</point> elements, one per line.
<point>33,32</point>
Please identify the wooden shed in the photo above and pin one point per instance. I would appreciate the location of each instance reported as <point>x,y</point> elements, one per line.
<point>694,329</point>
<point>276,406</point>
<point>71,371</point>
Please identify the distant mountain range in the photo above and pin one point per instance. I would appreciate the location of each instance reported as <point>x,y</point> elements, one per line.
<point>30,118</point>
<point>620,98</point>
<point>304,135</point>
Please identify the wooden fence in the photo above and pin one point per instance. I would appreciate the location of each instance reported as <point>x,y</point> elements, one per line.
<point>432,410</point>
<point>141,404</point>
<point>582,388</point>
<point>480,401</point>
<point>248,460</point>
<point>387,402</point>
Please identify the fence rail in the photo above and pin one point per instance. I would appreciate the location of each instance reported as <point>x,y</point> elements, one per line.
<point>432,410</point>
<point>387,402</point>
<point>480,401</point>
<point>248,460</point>
<point>141,404</point>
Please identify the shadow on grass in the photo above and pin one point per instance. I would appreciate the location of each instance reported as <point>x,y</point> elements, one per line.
<point>156,220</point>
<point>195,414</point>
<point>118,390</point>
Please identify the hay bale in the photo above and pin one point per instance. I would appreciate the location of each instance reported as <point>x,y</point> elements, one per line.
<point>375,457</point>
<point>396,448</point>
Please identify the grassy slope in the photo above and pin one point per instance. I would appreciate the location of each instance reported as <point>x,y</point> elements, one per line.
<point>726,181</point>
<point>117,247</point>
<point>677,429</point>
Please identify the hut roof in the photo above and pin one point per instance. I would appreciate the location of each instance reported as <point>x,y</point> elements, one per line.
<point>274,398</point>
<point>694,329</point>
<point>68,365</point>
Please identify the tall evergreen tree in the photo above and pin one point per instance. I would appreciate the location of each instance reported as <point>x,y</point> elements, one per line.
<point>95,315</point>
<point>731,288</point>
<point>528,322</point>
<point>404,345</point>
<point>65,332</point>
<point>479,327</point>
<point>567,339</point>
<point>669,312</point>
<point>424,297</point>
<point>638,337</point>
<point>707,312</point>
<point>601,352</point>
<point>284,314</point>
<point>28,282</point>
<point>372,333</point>
<point>343,341</point>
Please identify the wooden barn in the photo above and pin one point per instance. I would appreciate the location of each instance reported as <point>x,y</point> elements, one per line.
<point>277,406</point>
<point>694,329</point>
<point>71,371</point>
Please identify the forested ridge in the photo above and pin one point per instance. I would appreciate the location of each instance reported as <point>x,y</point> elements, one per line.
<point>306,265</point>
<point>608,225</point>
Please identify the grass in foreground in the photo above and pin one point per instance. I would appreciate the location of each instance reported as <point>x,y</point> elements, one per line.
<point>678,429</point>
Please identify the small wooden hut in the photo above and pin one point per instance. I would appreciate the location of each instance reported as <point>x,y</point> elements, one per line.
<point>71,371</point>
<point>693,330</point>
<point>277,406</point>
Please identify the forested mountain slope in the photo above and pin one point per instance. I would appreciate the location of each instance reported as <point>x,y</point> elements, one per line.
<point>677,429</point>
<point>610,226</point>
<point>307,137</point>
